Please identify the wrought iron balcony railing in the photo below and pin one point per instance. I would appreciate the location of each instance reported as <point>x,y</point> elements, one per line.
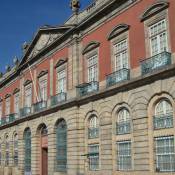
<point>161,122</point>
<point>87,88</point>
<point>3,121</point>
<point>58,98</point>
<point>25,111</point>
<point>118,76</point>
<point>12,117</point>
<point>39,106</point>
<point>123,128</point>
<point>155,62</point>
<point>93,133</point>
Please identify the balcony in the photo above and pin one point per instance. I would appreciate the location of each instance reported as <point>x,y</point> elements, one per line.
<point>93,133</point>
<point>58,98</point>
<point>3,121</point>
<point>162,122</point>
<point>87,88</point>
<point>12,117</point>
<point>25,111</point>
<point>118,76</point>
<point>123,128</point>
<point>155,62</point>
<point>39,106</point>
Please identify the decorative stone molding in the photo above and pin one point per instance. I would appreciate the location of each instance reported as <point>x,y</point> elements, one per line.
<point>27,82</point>
<point>153,9</point>
<point>117,30</point>
<point>61,62</point>
<point>42,73</point>
<point>92,45</point>
<point>16,90</point>
<point>7,96</point>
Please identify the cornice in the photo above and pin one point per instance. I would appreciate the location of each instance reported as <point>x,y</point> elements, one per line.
<point>113,90</point>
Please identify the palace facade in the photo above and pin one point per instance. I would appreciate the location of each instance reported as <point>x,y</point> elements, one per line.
<point>94,96</point>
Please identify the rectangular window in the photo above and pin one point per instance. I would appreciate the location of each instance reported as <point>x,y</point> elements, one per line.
<point>61,81</point>
<point>121,55</point>
<point>124,159</point>
<point>92,68</point>
<point>7,107</point>
<point>165,154</point>
<point>93,157</point>
<point>43,88</point>
<point>16,103</point>
<point>158,37</point>
<point>28,96</point>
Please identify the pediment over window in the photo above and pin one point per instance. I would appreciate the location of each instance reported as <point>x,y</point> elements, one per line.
<point>92,45</point>
<point>153,9</point>
<point>27,82</point>
<point>42,73</point>
<point>61,62</point>
<point>16,90</point>
<point>117,30</point>
<point>7,96</point>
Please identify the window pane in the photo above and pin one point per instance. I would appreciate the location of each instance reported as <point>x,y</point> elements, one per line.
<point>93,157</point>
<point>124,160</point>
<point>165,154</point>
<point>158,37</point>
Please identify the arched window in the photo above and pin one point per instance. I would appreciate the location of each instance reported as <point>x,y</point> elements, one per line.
<point>7,151</point>
<point>44,131</point>
<point>27,144</point>
<point>15,150</point>
<point>93,129</point>
<point>123,125</point>
<point>163,115</point>
<point>61,138</point>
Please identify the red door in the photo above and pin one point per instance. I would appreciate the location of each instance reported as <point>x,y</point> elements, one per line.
<point>44,161</point>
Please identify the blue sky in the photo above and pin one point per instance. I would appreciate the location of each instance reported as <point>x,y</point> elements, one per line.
<point>20,19</point>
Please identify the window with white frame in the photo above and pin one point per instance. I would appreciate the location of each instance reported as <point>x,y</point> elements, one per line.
<point>92,66</point>
<point>93,130</point>
<point>123,122</point>
<point>93,156</point>
<point>16,103</point>
<point>61,81</point>
<point>121,55</point>
<point>124,158</point>
<point>43,88</point>
<point>165,154</point>
<point>163,108</point>
<point>28,96</point>
<point>158,37</point>
<point>163,115</point>
<point>15,150</point>
<point>7,106</point>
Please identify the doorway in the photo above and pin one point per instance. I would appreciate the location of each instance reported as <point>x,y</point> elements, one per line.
<point>44,161</point>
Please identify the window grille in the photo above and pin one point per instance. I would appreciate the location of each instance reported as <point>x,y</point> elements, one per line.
<point>165,154</point>
<point>124,159</point>
<point>93,156</point>
<point>61,137</point>
<point>15,150</point>
<point>27,140</point>
<point>61,81</point>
